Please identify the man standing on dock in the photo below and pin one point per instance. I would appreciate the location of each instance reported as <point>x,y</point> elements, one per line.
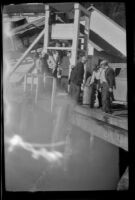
<point>94,85</point>
<point>65,71</point>
<point>76,78</point>
<point>107,83</point>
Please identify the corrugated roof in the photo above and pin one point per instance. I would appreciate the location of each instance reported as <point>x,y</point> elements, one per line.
<point>37,7</point>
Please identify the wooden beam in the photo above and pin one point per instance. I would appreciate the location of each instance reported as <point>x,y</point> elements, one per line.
<point>60,48</point>
<point>26,52</point>
<point>87,27</point>
<point>86,12</point>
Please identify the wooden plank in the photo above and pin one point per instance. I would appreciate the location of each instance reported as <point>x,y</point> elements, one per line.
<point>60,48</point>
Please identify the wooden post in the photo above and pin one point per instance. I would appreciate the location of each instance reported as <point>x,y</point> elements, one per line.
<point>87,26</point>
<point>91,140</point>
<point>46,31</point>
<point>76,35</point>
<point>31,81</point>
<point>36,90</point>
<point>25,82</point>
<point>44,79</point>
<point>13,44</point>
<point>53,93</point>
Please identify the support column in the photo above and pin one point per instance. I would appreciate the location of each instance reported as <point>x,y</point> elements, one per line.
<point>46,31</point>
<point>53,93</point>
<point>25,82</point>
<point>37,89</point>
<point>87,26</point>
<point>76,34</point>
<point>31,81</point>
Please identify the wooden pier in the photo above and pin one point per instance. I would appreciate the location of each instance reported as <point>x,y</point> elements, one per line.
<point>109,127</point>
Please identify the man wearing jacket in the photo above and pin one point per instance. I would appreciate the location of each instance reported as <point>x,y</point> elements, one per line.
<point>76,78</point>
<point>107,83</point>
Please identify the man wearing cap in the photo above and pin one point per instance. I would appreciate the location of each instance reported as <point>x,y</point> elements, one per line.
<point>107,83</point>
<point>94,85</point>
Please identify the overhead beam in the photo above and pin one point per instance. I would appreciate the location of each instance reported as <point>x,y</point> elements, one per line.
<point>60,48</point>
<point>86,12</point>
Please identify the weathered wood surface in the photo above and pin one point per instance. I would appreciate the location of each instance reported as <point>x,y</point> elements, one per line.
<point>108,127</point>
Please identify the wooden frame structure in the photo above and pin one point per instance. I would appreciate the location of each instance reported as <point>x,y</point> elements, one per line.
<point>76,25</point>
<point>78,9</point>
<point>74,49</point>
<point>75,39</point>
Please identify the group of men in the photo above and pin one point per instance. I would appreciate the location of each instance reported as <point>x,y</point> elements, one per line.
<point>101,82</point>
<point>56,63</point>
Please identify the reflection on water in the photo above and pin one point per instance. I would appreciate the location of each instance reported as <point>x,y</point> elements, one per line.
<point>92,164</point>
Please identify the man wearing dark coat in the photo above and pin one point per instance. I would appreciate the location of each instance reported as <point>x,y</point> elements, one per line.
<point>76,78</point>
<point>107,83</point>
<point>44,64</point>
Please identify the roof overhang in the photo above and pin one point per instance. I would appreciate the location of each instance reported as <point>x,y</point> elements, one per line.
<point>24,8</point>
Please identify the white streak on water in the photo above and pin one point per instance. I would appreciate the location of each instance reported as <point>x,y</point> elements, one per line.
<point>17,140</point>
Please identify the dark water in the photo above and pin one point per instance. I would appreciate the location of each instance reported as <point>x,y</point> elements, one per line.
<point>89,166</point>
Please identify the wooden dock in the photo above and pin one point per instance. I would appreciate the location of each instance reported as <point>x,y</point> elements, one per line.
<point>109,127</point>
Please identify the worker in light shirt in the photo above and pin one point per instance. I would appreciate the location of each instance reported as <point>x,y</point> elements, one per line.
<point>94,86</point>
<point>107,83</point>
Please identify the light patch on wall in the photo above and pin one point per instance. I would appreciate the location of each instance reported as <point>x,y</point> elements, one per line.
<point>90,49</point>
